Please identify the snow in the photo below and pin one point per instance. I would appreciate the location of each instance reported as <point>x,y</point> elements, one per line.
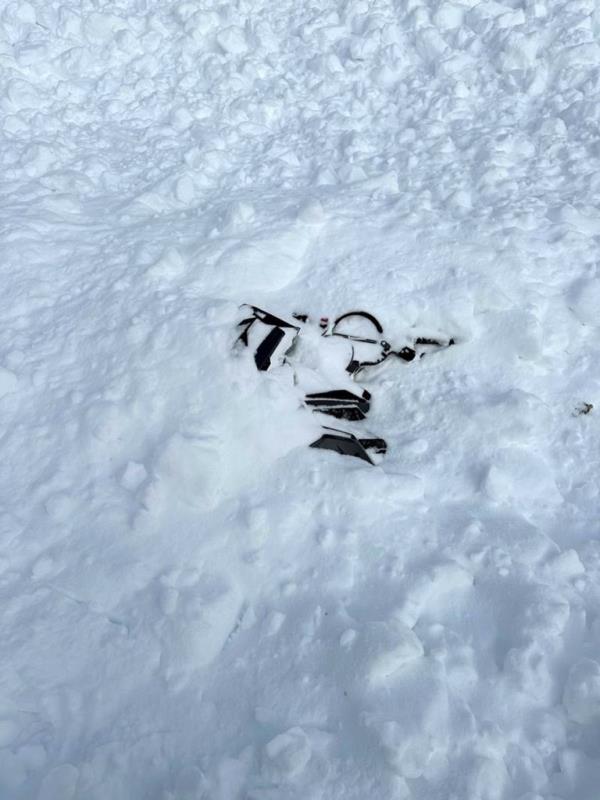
<point>195,603</point>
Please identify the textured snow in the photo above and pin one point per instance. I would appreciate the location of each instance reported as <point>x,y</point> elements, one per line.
<point>197,606</point>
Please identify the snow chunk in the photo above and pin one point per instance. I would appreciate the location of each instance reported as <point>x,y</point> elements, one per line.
<point>59,506</point>
<point>181,119</point>
<point>582,55</point>
<point>390,646</point>
<point>488,779</point>
<point>430,45</point>
<point>290,752</point>
<point>553,128</point>
<point>154,201</point>
<point>461,201</point>
<point>102,27</point>
<point>60,783</point>
<point>185,190</point>
<point>25,13</point>
<point>581,774</point>
<point>38,159</point>
<point>312,213</point>
<point>133,475</point>
<point>238,216</point>
<point>584,221</point>
<point>274,622</point>
<point>517,475</point>
<point>348,638</point>
<point>8,382</point>
<point>526,335</point>
<point>516,332</point>
<point>167,600</point>
<point>266,263</point>
<point>189,468</point>
<point>407,488</point>
<point>565,566</point>
<point>520,53</point>
<point>431,588</point>
<point>582,692</point>
<point>233,40</point>
<point>62,203</point>
<point>20,94</point>
<point>412,741</point>
<point>107,422</point>
<point>511,19</point>
<point>398,487</point>
<point>198,620</point>
<point>449,16</point>
<point>9,731</point>
<point>170,265</point>
<point>584,300</point>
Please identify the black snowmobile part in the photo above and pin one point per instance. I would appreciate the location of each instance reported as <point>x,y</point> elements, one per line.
<point>376,444</point>
<point>264,351</point>
<point>365,315</point>
<point>267,318</point>
<point>346,444</point>
<point>406,353</point>
<point>426,340</point>
<point>340,403</point>
<point>354,365</point>
<point>434,342</point>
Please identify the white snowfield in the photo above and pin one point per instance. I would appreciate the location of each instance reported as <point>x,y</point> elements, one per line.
<point>194,604</point>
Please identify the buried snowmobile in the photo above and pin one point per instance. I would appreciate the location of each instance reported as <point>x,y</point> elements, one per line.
<point>272,339</point>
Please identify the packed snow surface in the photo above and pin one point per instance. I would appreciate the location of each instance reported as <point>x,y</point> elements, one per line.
<point>195,604</point>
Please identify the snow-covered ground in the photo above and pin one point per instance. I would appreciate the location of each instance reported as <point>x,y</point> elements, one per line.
<point>197,606</point>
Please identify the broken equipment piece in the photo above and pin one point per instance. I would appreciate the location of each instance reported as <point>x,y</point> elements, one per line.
<point>349,445</point>
<point>271,337</point>
<point>340,403</point>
